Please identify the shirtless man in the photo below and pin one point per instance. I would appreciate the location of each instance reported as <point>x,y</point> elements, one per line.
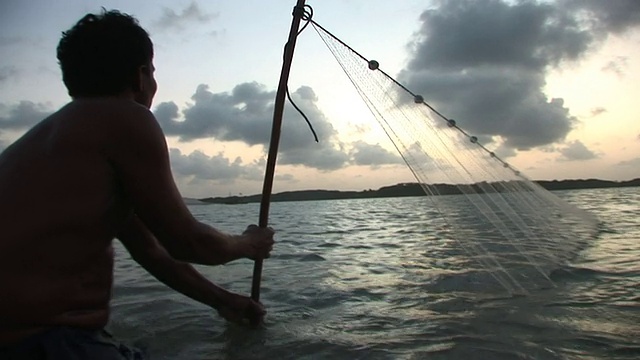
<point>96,170</point>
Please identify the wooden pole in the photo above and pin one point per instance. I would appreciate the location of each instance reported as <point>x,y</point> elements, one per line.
<point>278,111</point>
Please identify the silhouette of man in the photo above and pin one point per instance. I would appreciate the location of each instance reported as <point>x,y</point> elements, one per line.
<point>95,170</point>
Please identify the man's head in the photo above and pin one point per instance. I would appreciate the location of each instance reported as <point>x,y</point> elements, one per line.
<point>106,55</point>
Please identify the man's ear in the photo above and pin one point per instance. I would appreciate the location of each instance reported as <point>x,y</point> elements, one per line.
<point>138,82</point>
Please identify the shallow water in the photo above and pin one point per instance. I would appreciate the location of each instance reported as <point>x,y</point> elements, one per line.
<point>376,279</point>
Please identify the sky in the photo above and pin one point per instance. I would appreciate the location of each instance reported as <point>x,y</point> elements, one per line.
<point>551,86</point>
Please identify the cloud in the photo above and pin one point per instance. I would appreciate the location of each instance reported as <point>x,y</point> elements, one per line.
<point>505,152</point>
<point>24,115</point>
<point>21,41</point>
<point>635,163</point>
<point>245,114</point>
<point>605,17</point>
<point>576,150</point>
<point>182,19</point>
<point>285,177</point>
<point>372,155</point>
<point>598,111</point>
<point>200,166</point>
<point>14,40</point>
<point>484,62</point>
<point>7,72</point>
<point>466,33</point>
<point>616,66</point>
<point>242,115</point>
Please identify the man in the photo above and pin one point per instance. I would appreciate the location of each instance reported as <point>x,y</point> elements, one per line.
<point>95,170</point>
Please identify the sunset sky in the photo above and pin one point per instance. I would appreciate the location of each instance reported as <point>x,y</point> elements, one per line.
<point>552,86</point>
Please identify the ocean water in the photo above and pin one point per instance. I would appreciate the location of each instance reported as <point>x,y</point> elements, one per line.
<point>375,279</point>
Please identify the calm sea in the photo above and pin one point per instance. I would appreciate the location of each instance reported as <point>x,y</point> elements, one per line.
<point>372,279</point>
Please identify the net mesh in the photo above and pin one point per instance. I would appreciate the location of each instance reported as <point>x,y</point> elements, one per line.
<point>515,229</point>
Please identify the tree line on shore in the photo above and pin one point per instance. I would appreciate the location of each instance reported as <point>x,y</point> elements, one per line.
<point>411,189</point>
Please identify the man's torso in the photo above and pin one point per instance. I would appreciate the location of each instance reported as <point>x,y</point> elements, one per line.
<point>60,208</point>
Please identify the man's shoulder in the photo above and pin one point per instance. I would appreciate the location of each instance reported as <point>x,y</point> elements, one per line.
<point>109,114</point>
<point>117,108</point>
<point>124,125</point>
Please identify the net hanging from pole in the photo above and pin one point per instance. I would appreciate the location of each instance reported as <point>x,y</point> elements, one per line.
<point>515,229</point>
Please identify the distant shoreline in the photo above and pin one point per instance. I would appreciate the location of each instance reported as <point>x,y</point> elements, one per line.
<point>406,189</point>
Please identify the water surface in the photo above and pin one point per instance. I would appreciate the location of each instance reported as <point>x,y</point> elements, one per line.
<point>379,279</point>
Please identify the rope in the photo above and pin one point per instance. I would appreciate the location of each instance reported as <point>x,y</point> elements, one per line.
<point>307,14</point>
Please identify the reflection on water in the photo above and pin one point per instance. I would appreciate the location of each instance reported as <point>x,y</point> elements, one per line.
<point>380,279</point>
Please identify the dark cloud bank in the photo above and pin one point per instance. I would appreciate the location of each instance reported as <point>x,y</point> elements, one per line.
<point>483,62</point>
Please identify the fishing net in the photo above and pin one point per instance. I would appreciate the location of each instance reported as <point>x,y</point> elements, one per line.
<point>516,230</point>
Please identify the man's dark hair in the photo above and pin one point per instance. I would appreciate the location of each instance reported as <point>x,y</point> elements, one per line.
<point>99,56</point>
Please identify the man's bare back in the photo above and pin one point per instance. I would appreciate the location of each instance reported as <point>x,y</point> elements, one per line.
<point>61,206</point>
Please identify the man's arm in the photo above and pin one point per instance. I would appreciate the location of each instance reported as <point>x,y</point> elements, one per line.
<point>182,277</point>
<point>138,152</point>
